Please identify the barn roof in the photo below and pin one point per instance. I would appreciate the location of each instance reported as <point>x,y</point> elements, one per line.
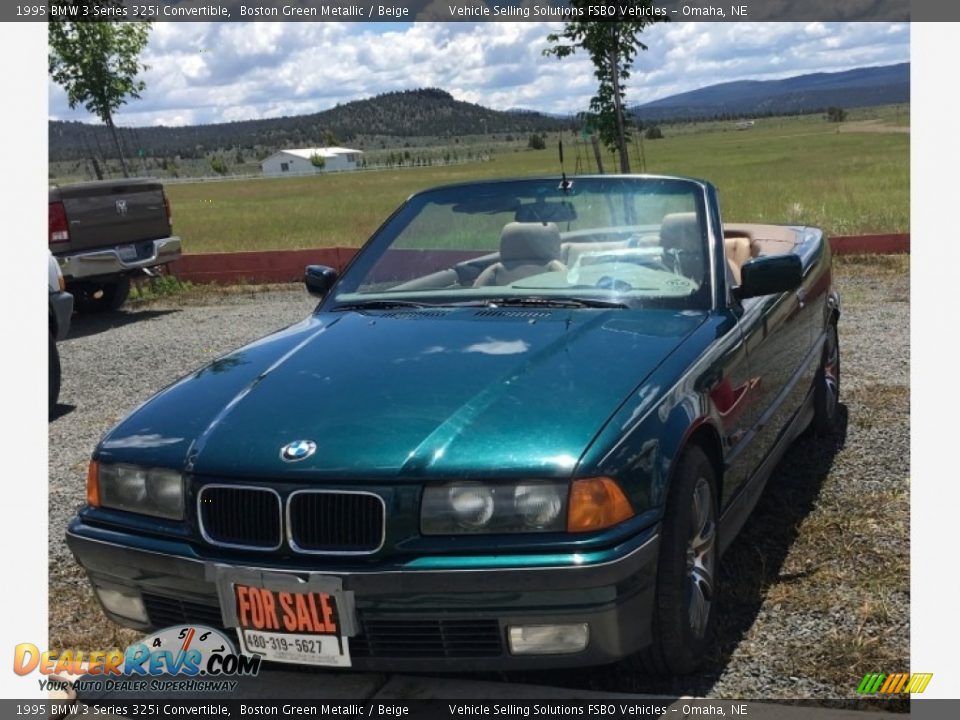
<point>327,152</point>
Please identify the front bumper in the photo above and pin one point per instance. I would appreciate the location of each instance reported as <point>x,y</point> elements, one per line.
<point>107,261</point>
<point>61,310</point>
<point>614,597</point>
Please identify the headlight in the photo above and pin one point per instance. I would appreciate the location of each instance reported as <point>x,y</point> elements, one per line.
<point>149,491</point>
<point>474,507</point>
<point>537,504</point>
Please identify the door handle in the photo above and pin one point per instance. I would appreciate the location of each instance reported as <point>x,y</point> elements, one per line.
<point>802,297</point>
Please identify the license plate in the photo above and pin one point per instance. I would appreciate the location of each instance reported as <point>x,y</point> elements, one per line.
<point>287,620</point>
<point>127,252</point>
<point>328,650</point>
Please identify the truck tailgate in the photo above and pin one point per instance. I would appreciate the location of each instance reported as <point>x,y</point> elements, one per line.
<point>111,213</point>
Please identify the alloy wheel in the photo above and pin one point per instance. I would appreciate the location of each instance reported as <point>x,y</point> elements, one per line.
<point>701,558</point>
<point>831,374</point>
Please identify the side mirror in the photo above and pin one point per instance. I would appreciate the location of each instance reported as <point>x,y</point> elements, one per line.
<point>319,279</point>
<point>769,275</point>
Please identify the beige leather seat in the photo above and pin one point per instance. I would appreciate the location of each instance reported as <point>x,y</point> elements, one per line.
<point>525,249</point>
<point>682,237</point>
<point>572,252</point>
<point>738,251</point>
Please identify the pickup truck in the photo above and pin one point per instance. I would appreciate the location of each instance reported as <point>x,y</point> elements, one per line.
<point>104,232</point>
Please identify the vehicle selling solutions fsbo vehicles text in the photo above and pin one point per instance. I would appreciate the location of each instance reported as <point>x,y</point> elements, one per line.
<point>598,11</point>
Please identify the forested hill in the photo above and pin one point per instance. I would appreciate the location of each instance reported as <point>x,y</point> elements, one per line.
<point>425,112</point>
<point>861,87</point>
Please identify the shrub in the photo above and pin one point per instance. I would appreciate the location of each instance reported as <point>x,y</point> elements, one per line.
<point>835,114</point>
<point>218,165</point>
<point>536,142</point>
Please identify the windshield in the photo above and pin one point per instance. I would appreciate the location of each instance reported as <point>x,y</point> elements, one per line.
<point>601,241</point>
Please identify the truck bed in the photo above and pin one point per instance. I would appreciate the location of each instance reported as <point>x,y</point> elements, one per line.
<point>111,212</point>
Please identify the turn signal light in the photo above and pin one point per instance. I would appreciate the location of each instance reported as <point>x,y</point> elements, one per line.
<point>595,504</point>
<point>93,484</point>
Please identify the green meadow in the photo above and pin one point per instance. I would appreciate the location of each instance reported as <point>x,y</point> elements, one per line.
<point>848,178</point>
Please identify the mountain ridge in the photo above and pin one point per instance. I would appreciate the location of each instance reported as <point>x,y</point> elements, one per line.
<point>407,113</point>
<point>385,120</point>
<point>810,92</point>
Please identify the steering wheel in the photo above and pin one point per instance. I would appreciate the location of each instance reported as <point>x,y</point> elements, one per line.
<point>608,282</point>
<point>641,240</point>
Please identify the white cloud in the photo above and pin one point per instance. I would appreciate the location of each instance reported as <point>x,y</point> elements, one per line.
<point>210,72</point>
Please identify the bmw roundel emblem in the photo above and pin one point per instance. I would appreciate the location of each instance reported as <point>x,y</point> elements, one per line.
<point>297,450</point>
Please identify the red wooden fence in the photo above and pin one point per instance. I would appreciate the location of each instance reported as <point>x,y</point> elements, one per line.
<point>278,266</point>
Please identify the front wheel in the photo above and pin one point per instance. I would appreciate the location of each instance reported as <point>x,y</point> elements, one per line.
<point>826,392</point>
<point>685,608</point>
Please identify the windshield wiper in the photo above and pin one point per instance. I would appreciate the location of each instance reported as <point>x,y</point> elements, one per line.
<point>548,301</point>
<point>380,305</point>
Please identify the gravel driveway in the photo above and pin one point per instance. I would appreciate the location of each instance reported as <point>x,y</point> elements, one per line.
<point>815,589</point>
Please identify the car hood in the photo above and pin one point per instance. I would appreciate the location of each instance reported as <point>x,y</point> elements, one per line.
<point>407,394</point>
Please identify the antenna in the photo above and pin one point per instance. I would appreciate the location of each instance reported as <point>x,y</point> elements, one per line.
<point>564,183</point>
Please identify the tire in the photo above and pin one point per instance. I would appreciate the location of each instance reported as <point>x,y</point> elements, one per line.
<point>116,294</point>
<point>826,392</point>
<point>685,609</point>
<point>54,374</point>
<point>93,297</point>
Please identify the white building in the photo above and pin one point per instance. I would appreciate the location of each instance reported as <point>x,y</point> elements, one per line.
<point>300,161</point>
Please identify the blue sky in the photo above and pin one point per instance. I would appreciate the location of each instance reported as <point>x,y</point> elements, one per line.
<point>221,72</point>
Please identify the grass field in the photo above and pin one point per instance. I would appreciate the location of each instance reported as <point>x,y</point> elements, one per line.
<point>847,178</point>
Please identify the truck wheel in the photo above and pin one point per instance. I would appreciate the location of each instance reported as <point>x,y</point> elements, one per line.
<point>826,392</point>
<point>101,297</point>
<point>116,294</point>
<point>54,374</point>
<point>685,607</point>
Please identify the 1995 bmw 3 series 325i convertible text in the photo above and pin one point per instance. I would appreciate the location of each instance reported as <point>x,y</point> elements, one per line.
<point>517,432</point>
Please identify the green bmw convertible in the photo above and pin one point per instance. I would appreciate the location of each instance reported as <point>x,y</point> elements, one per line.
<point>517,431</point>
